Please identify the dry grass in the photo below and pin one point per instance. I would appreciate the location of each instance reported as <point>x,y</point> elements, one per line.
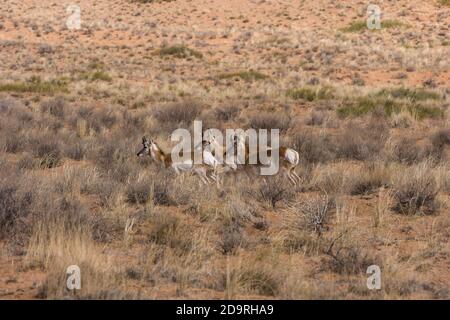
<point>269,121</point>
<point>310,93</point>
<point>35,85</point>
<point>273,191</point>
<point>179,51</point>
<point>55,245</point>
<point>415,191</point>
<point>366,110</point>
<point>368,179</point>
<point>244,75</point>
<point>130,195</point>
<point>359,26</point>
<point>312,214</point>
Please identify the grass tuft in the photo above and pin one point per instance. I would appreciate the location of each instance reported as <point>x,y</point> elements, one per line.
<point>359,26</point>
<point>415,192</point>
<point>179,51</point>
<point>35,85</point>
<point>369,104</point>
<point>244,75</point>
<point>98,75</point>
<point>412,94</point>
<point>310,93</point>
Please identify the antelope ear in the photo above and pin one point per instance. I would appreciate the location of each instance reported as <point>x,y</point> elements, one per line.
<point>144,139</point>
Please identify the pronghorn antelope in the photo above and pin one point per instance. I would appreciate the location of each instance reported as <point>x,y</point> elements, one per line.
<point>165,159</point>
<point>210,159</point>
<point>289,158</point>
<point>219,151</point>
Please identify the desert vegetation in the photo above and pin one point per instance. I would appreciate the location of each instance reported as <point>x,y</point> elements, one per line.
<point>366,111</point>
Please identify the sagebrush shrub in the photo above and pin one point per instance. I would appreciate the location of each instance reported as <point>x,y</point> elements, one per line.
<point>274,190</point>
<point>415,191</point>
<point>56,107</point>
<point>48,151</point>
<point>362,142</point>
<point>314,148</point>
<point>178,112</point>
<point>271,121</point>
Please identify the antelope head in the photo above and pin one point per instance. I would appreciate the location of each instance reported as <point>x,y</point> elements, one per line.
<point>146,147</point>
<point>206,145</point>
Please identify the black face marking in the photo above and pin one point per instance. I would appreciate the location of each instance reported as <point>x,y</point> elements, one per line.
<point>145,150</point>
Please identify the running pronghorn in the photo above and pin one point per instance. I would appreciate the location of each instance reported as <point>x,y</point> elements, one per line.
<point>220,152</point>
<point>289,158</point>
<point>289,161</point>
<point>165,159</point>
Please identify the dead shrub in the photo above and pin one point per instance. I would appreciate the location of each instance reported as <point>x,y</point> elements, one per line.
<point>114,158</point>
<point>11,210</point>
<point>404,120</point>
<point>415,191</point>
<point>12,137</point>
<point>61,236</point>
<point>56,107</point>
<point>7,104</point>
<point>31,200</point>
<point>274,190</point>
<point>105,118</point>
<point>139,192</point>
<point>329,178</point>
<point>362,142</point>
<point>316,118</point>
<point>226,113</point>
<point>260,281</point>
<point>271,121</point>
<point>75,150</point>
<point>303,241</point>
<point>161,190</point>
<point>137,122</point>
<point>348,260</point>
<point>28,162</point>
<point>98,120</point>
<point>233,218</point>
<point>169,231</point>
<point>108,191</point>
<point>91,181</point>
<point>48,151</point>
<point>89,120</point>
<point>441,138</point>
<point>241,209</point>
<point>16,208</point>
<point>155,189</point>
<point>232,237</point>
<point>367,179</point>
<point>179,112</point>
<point>72,210</point>
<point>14,142</point>
<point>313,148</point>
<point>311,214</point>
<point>407,151</point>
